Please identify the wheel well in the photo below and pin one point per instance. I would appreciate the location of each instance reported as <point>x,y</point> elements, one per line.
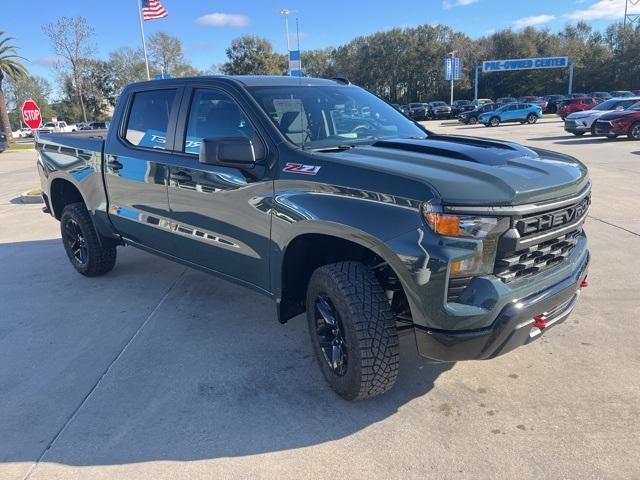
<point>62,194</point>
<point>308,252</point>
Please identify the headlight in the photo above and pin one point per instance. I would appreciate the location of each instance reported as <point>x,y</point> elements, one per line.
<point>485,230</point>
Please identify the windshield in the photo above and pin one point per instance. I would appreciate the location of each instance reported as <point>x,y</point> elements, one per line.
<point>315,117</point>
<point>635,107</point>
<point>438,104</point>
<point>613,104</point>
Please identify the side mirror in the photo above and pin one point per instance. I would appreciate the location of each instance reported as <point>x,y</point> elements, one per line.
<point>239,152</point>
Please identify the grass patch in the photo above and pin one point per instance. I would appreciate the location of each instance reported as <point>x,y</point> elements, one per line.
<point>20,146</point>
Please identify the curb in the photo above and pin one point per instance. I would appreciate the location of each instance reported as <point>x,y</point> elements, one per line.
<point>27,198</point>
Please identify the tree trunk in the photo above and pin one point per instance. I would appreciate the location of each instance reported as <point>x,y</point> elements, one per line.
<point>79,93</point>
<point>4,117</point>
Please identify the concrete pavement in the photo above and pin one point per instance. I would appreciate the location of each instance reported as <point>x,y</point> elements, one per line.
<point>158,371</point>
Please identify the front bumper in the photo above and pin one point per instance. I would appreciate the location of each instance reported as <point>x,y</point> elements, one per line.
<point>513,327</point>
<point>576,126</point>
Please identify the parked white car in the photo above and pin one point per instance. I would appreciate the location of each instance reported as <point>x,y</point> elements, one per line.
<point>58,127</point>
<point>580,123</point>
<point>22,133</point>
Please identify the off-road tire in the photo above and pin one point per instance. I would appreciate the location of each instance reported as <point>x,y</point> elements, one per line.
<point>99,259</point>
<point>634,131</point>
<point>370,333</point>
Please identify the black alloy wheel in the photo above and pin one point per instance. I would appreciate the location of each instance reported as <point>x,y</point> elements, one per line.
<point>331,335</point>
<point>74,238</point>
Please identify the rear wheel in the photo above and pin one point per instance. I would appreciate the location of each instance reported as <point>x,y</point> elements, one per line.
<point>634,131</point>
<point>80,240</point>
<point>531,119</point>
<point>494,122</point>
<point>473,120</point>
<point>352,330</point>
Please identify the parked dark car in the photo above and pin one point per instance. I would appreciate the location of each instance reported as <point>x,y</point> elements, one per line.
<point>572,105</point>
<point>505,100</point>
<point>472,246</point>
<point>4,143</point>
<point>99,125</point>
<point>626,122</point>
<point>439,110</point>
<point>541,102</point>
<point>622,93</point>
<point>460,106</point>
<point>553,101</point>
<point>471,118</point>
<point>419,111</point>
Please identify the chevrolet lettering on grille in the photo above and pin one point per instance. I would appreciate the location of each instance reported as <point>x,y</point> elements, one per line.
<point>558,218</point>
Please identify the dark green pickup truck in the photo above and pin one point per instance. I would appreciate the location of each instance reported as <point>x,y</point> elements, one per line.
<point>326,199</point>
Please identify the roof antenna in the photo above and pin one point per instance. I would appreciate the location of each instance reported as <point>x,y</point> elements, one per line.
<point>341,78</point>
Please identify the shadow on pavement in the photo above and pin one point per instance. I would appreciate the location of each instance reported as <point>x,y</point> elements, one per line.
<point>210,374</point>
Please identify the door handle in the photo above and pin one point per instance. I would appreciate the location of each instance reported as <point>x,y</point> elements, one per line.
<point>180,177</point>
<point>114,164</point>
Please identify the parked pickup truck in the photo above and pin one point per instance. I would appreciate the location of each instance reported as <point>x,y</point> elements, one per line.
<point>367,222</point>
<point>57,127</point>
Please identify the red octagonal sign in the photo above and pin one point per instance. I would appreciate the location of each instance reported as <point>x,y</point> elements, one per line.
<point>31,115</point>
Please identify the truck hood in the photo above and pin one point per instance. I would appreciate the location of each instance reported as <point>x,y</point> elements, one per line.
<point>474,171</point>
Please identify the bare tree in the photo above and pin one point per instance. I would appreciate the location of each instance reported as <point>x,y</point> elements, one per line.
<point>70,39</point>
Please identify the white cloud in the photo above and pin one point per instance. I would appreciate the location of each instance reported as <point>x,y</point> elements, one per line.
<point>223,20</point>
<point>532,21</point>
<point>603,9</point>
<point>447,4</point>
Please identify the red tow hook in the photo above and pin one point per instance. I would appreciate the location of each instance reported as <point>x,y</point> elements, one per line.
<point>584,283</point>
<point>540,321</point>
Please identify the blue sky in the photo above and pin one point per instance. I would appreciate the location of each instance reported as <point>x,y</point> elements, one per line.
<point>207,26</point>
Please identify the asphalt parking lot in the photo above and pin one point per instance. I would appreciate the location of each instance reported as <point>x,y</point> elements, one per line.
<point>158,371</point>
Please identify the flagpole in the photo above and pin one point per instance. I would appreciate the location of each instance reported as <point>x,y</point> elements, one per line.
<point>144,45</point>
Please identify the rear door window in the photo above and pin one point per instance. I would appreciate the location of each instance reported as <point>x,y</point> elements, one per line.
<point>148,120</point>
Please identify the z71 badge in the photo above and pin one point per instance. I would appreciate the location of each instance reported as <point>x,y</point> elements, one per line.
<point>300,168</point>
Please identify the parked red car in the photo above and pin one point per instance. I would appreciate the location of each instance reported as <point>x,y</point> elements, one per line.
<point>625,122</point>
<point>572,105</point>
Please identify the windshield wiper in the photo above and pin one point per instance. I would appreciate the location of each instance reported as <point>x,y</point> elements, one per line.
<point>333,148</point>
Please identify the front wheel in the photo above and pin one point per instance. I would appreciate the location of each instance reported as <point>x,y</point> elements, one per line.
<point>634,131</point>
<point>531,119</point>
<point>494,122</point>
<point>80,240</point>
<point>352,330</point>
<point>473,120</point>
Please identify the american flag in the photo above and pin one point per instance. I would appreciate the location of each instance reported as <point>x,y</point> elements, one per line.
<point>153,9</point>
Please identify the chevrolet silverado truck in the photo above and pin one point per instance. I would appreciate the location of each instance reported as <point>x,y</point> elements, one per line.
<point>326,199</point>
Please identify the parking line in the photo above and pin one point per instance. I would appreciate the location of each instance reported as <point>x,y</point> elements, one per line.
<point>104,374</point>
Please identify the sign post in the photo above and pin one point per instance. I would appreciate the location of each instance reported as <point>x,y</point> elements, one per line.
<point>31,115</point>
<point>452,70</point>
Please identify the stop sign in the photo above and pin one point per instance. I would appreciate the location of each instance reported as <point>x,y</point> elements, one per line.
<point>31,115</point>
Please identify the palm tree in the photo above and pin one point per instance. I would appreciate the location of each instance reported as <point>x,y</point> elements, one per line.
<point>10,67</point>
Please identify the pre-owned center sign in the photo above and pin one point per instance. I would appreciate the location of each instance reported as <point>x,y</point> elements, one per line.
<point>524,64</point>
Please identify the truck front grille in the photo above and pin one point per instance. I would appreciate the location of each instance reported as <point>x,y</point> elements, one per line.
<point>536,258</point>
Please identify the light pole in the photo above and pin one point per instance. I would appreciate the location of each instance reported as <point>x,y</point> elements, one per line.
<point>285,12</point>
<point>453,72</point>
